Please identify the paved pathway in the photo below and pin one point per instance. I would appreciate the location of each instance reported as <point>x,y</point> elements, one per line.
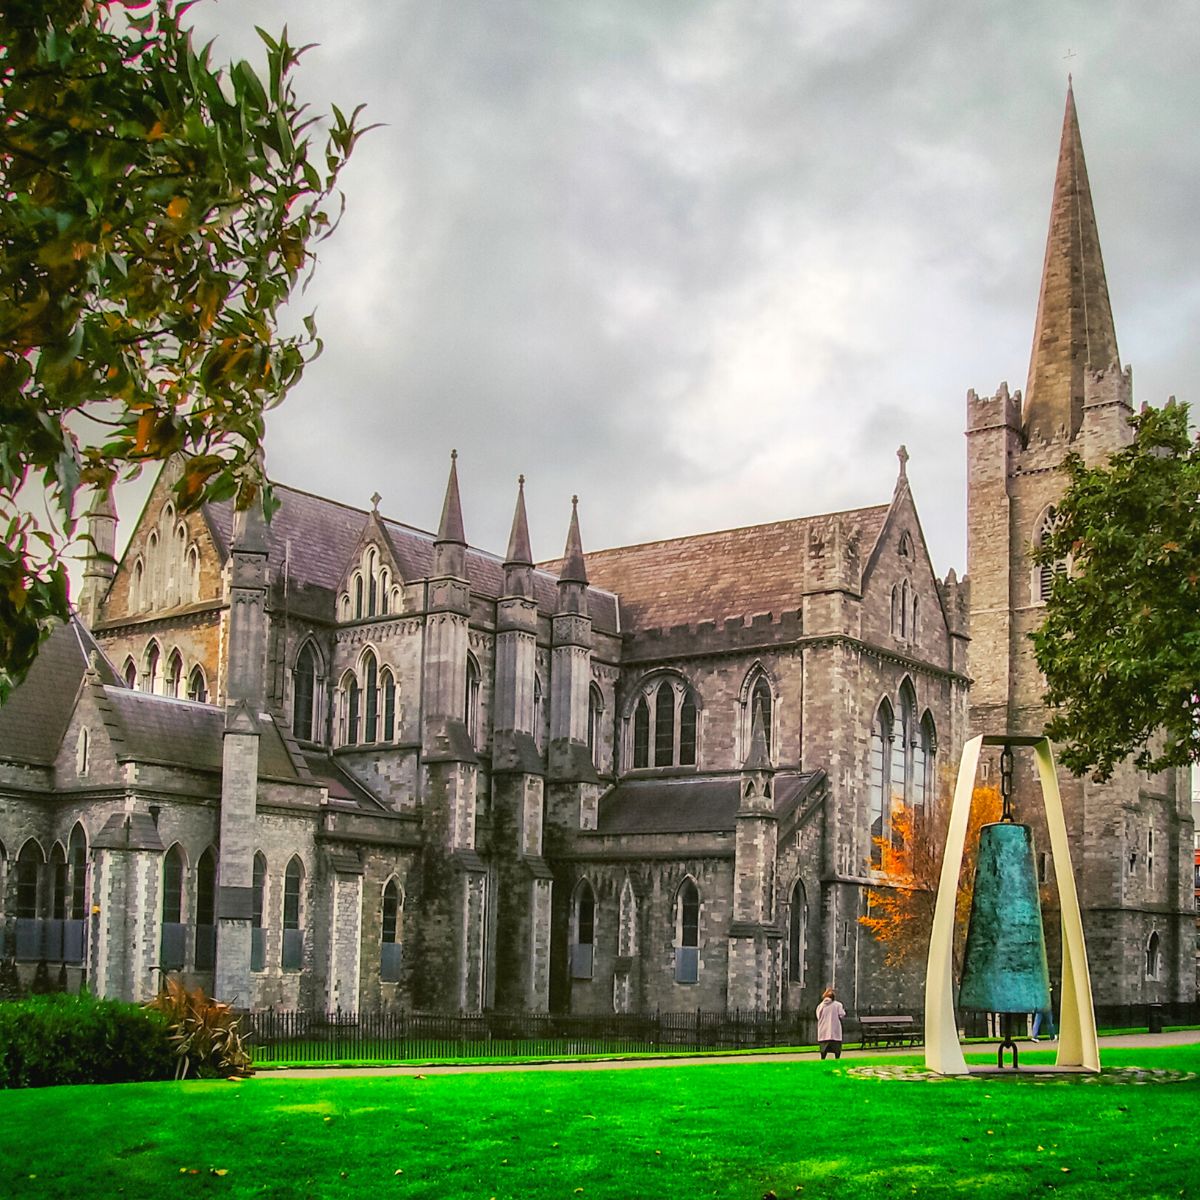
<point>1180,1038</point>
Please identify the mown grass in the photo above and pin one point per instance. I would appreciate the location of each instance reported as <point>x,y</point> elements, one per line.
<point>731,1130</point>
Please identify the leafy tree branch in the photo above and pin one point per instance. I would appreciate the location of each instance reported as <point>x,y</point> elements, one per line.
<point>1120,645</point>
<point>156,214</point>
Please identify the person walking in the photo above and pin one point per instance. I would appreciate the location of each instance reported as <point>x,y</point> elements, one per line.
<point>829,1024</point>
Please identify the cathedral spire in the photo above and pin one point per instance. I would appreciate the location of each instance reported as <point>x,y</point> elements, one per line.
<point>574,570</point>
<point>1074,334</point>
<point>519,553</point>
<point>450,529</point>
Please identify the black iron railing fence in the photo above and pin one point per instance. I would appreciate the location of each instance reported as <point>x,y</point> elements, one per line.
<point>398,1035</point>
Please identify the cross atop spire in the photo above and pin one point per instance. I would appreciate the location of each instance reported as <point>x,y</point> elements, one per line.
<point>1074,333</point>
<point>902,455</point>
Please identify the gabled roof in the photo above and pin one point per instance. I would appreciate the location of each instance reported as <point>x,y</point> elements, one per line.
<point>730,573</point>
<point>323,535</point>
<point>35,718</point>
<point>182,733</point>
<point>691,805</point>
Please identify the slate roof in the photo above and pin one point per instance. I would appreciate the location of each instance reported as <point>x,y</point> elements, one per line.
<point>341,784</point>
<point>691,805</point>
<point>182,733</point>
<point>35,718</point>
<point>712,576</point>
<point>324,534</point>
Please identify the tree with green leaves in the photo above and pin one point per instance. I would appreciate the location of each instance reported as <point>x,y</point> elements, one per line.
<point>155,216</point>
<point>1120,645</point>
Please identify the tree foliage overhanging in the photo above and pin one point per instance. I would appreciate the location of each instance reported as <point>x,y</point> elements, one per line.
<point>155,215</point>
<point>1120,645</point>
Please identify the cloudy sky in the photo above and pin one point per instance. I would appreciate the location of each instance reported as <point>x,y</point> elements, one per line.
<point>709,264</point>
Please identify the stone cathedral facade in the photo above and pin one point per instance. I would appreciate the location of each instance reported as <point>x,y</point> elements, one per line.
<point>340,762</point>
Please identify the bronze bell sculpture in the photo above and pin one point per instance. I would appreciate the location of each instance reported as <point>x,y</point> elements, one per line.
<point>1004,963</point>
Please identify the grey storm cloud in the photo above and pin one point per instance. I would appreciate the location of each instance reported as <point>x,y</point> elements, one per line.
<point>709,264</point>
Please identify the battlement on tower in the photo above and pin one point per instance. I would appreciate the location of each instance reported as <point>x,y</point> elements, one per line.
<point>994,412</point>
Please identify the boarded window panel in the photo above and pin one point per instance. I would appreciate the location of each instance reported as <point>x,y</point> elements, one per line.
<point>174,942</point>
<point>582,961</point>
<point>391,962</point>
<point>293,949</point>
<point>687,964</point>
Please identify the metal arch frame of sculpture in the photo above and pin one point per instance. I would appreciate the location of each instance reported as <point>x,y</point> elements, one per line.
<point>1077,1042</point>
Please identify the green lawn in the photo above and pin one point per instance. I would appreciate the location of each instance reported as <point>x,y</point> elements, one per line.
<point>732,1131</point>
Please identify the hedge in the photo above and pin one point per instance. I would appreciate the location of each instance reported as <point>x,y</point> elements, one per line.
<point>78,1039</point>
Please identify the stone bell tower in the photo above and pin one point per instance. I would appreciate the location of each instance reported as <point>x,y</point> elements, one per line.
<point>1131,836</point>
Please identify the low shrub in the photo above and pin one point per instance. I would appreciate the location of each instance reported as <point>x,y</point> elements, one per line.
<point>204,1033</point>
<point>77,1039</point>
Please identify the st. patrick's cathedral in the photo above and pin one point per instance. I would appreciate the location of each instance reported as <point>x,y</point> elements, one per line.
<point>336,761</point>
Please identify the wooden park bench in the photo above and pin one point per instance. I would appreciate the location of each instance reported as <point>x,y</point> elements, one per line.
<point>890,1031</point>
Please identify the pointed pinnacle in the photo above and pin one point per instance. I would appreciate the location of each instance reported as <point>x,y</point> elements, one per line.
<point>519,553</point>
<point>450,528</point>
<point>758,759</point>
<point>574,570</point>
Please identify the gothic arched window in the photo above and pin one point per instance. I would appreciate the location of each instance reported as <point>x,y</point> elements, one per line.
<point>924,748</point>
<point>130,674</point>
<point>390,941</point>
<point>293,929</point>
<point>879,780</point>
<point>1044,573</point>
<point>258,895</point>
<point>687,933</point>
<point>197,685</point>
<point>370,671</point>
<point>797,933</point>
<point>1154,956</point>
<point>757,699</point>
<point>387,689</point>
<point>583,922</point>
<point>153,660</point>
<point>595,712</point>
<point>174,679</point>
<point>471,700</point>
<point>641,733</point>
<point>351,697</point>
<point>206,910</point>
<point>174,932</point>
<point>304,693</point>
<point>665,724</point>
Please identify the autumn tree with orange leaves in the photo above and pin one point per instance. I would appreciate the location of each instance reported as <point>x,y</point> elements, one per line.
<point>900,907</point>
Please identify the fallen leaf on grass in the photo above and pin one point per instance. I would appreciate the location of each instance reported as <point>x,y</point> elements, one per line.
<point>218,1170</point>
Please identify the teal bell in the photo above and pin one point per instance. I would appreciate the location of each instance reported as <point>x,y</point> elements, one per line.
<point>1004,963</point>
